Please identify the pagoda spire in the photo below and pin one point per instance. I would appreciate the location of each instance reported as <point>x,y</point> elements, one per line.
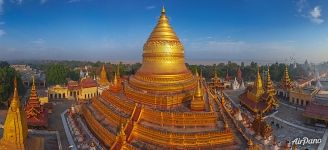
<point>199,91</point>
<point>15,127</point>
<point>118,70</point>
<point>35,114</point>
<point>258,85</point>
<point>103,76</point>
<point>196,73</point>
<point>239,75</point>
<point>269,86</point>
<point>285,81</point>
<point>197,103</point>
<point>116,85</point>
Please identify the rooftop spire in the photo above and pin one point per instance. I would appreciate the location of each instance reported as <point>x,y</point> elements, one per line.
<point>269,85</point>
<point>103,76</point>
<point>163,9</point>
<point>118,70</point>
<point>15,127</point>
<point>198,92</point>
<point>258,85</point>
<point>15,101</point>
<point>285,81</point>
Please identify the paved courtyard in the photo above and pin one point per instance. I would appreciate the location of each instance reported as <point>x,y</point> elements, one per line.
<point>291,122</point>
<point>55,122</point>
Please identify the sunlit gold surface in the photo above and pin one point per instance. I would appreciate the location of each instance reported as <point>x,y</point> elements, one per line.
<point>163,68</point>
<point>15,127</point>
<point>258,99</point>
<point>103,76</point>
<point>163,105</point>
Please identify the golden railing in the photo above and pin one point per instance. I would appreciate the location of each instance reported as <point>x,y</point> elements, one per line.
<point>102,133</point>
<point>183,140</point>
<point>156,100</point>
<point>184,119</point>
<point>108,113</point>
<point>117,102</point>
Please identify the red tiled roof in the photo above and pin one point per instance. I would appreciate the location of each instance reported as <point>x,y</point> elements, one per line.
<point>73,85</point>
<point>318,111</point>
<point>251,104</point>
<point>88,82</point>
<point>42,119</point>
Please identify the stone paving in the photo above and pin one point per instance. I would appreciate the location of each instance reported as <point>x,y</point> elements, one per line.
<point>55,122</point>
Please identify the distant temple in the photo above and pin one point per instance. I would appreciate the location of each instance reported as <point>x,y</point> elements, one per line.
<point>37,116</point>
<point>84,89</point>
<point>259,99</point>
<point>162,106</point>
<point>285,85</point>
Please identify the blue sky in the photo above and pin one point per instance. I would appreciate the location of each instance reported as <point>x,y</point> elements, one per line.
<point>219,30</point>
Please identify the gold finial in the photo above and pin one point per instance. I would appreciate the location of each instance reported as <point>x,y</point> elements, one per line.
<point>115,79</point>
<point>118,70</point>
<point>15,102</point>
<point>163,9</point>
<point>33,83</point>
<point>198,92</point>
<point>196,72</point>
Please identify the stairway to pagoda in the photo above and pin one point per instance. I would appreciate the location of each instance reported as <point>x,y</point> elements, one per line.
<point>128,128</point>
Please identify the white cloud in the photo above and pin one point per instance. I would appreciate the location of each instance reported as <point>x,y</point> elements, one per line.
<point>2,32</point>
<point>43,1</point>
<point>72,1</point>
<point>39,41</point>
<point>150,7</point>
<point>315,15</point>
<point>17,1</point>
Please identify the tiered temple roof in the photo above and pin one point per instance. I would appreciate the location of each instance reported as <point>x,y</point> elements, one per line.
<point>257,98</point>
<point>286,83</point>
<point>154,108</point>
<point>36,115</point>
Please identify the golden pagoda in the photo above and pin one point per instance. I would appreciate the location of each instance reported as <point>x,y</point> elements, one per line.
<point>36,115</point>
<point>197,102</point>
<point>15,128</point>
<point>103,81</point>
<point>256,99</point>
<point>155,108</point>
<point>270,90</point>
<point>286,83</point>
<point>116,85</point>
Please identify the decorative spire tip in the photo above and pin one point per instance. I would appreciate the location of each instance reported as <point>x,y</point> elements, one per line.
<point>163,9</point>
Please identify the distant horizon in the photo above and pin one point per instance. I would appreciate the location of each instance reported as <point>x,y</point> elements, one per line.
<point>192,62</point>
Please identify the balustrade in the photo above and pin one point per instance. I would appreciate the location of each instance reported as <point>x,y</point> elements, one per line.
<point>204,139</point>
<point>102,133</point>
<point>117,102</point>
<point>108,113</point>
<point>193,119</point>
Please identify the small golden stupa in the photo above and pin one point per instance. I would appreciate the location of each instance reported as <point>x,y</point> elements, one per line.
<point>103,81</point>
